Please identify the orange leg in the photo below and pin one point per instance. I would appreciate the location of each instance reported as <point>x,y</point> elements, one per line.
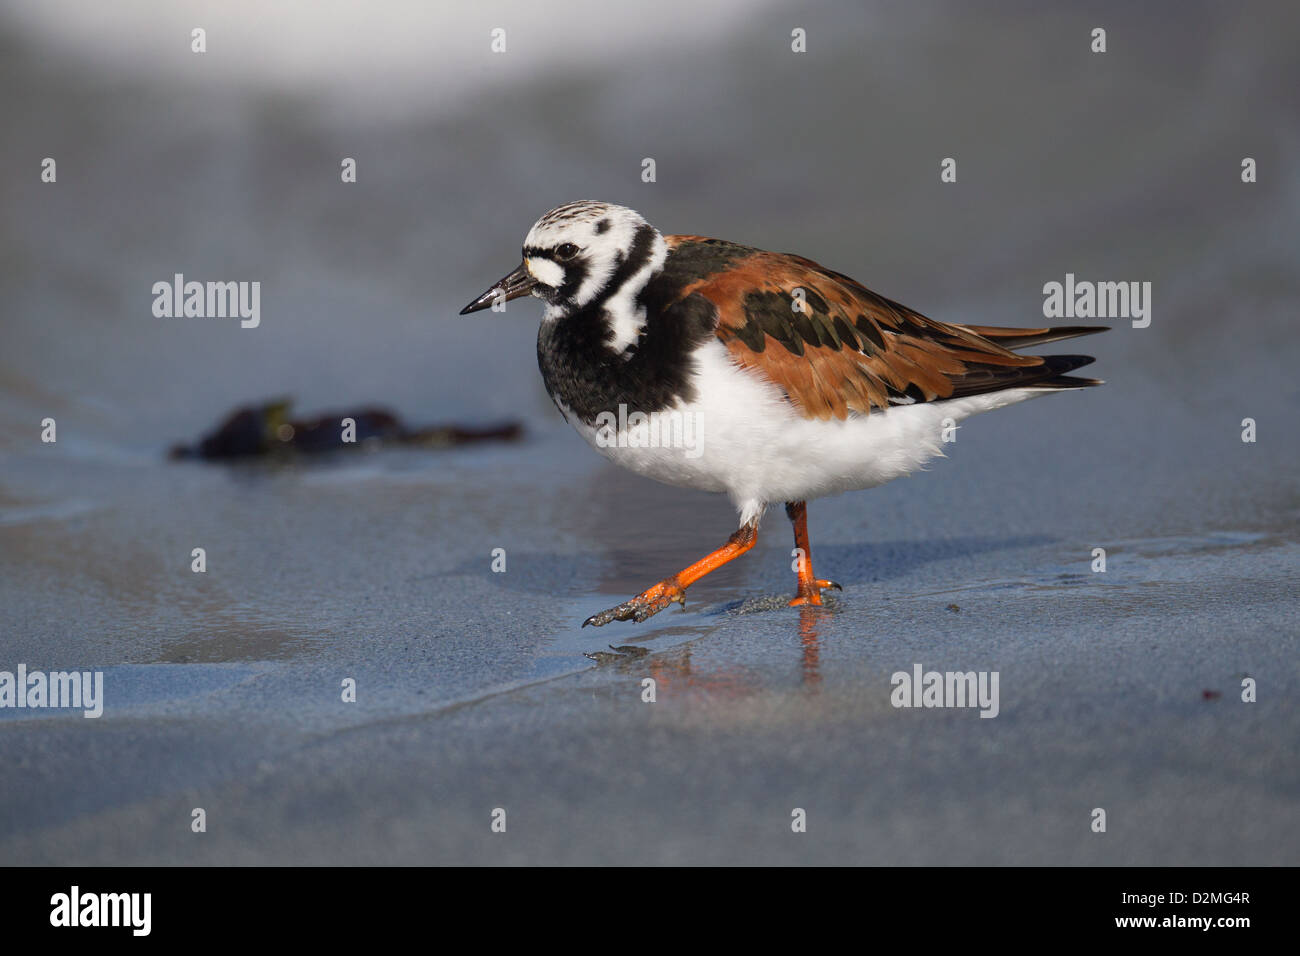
<point>809,590</point>
<point>653,600</point>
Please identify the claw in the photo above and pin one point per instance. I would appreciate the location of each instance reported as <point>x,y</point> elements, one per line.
<point>620,612</point>
<point>812,593</point>
<point>642,607</point>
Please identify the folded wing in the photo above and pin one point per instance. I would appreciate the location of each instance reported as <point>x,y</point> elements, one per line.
<point>835,347</point>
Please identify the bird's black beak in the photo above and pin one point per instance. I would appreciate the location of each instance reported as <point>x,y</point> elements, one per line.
<point>518,283</point>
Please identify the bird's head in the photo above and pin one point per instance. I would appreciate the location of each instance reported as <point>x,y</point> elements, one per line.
<point>581,255</point>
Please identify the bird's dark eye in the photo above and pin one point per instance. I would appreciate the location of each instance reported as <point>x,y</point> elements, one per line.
<point>566,251</point>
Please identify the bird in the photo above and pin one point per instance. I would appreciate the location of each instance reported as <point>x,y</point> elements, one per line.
<point>792,381</point>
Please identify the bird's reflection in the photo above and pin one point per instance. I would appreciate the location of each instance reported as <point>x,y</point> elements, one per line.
<point>675,669</point>
<point>809,620</point>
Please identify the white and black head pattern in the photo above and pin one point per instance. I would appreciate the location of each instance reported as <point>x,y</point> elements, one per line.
<point>617,332</point>
<point>591,255</point>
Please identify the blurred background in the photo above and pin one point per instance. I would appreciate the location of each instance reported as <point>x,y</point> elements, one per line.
<point>224,686</point>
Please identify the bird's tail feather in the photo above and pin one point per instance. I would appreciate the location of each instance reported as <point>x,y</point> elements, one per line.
<point>1024,338</point>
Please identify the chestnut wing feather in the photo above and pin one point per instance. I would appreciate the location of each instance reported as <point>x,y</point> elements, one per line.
<point>830,343</point>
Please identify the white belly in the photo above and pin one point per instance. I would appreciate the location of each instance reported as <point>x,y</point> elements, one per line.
<point>742,437</point>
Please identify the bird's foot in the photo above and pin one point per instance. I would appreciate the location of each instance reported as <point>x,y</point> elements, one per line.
<point>645,605</point>
<point>811,592</point>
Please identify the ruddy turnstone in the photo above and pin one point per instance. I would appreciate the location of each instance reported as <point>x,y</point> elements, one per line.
<point>796,382</point>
